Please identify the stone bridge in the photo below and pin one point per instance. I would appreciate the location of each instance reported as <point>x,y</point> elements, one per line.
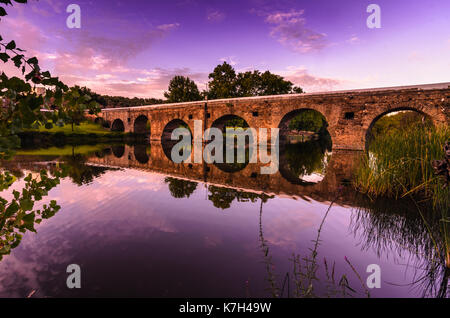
<point>349,114</point>
<point>152,158</point>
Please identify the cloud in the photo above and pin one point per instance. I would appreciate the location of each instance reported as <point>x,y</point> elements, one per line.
<point>141,83</point>
<point>310,83</point>
<point>25,34</point>
<point>353,39</point>
<point>290,30</point>
<point>230,60</point>
<point>215,16</point>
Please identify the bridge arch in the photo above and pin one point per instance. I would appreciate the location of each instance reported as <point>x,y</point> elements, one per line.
<point>142,125</point>
<point>167,142</point>
<point>285,122</point>
<point>141,153</point>
<point>369,136</point>
<point>118,125</point>
<point>230,119</point>
<point>118,151</point>
<point>98,120</point>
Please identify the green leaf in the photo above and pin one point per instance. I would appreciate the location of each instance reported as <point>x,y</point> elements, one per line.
<point>4,57</point>
<point>33,61</point>
<point>26,204</point>
<point>17,60</point>
<point>11,45</point>
<point>13,208</point>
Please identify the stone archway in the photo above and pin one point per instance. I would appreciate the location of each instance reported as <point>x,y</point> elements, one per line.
<point>167,142</point>
<point>369,135</point>
<point>141,125</point>
<point>118,125</point>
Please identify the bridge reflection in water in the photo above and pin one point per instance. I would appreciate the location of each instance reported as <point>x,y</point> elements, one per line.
<point>305,172</point>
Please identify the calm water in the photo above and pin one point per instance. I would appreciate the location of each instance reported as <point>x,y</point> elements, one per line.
<point>141,225</point>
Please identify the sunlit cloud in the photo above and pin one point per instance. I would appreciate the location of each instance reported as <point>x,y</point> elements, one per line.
<point>289,28</point>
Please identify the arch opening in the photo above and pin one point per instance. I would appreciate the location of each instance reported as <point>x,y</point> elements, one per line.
<point>118,125</point>
<point>142,125</point>
<point>168,143</point>
<point>98,120</point>
<point>232,122</point>
<point>142,153</point>
<point>395,121</point>
<point>118,151</point>
<point>305,146</point>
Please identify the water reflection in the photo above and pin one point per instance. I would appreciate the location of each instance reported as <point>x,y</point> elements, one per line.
<point>389,227</point>
<point>158,251</point>
<point>180,188</point>
<point>305,162</point>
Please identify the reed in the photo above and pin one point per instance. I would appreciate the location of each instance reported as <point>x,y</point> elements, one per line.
<point>398,165</point>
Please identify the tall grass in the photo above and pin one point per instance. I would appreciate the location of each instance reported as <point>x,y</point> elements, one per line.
<point>399,164</point>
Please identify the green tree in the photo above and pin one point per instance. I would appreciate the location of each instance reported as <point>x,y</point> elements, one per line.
<point>22,107</point>
<point>271,84</point>
<point>222,82</point>
<point>75,104</point>
<point>225,83</point>
<point>182,89</point>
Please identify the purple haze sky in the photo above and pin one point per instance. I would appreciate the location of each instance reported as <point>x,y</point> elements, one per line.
<point>133,48</point>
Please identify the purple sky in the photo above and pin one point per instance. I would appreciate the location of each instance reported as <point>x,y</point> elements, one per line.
<point>133,48</point>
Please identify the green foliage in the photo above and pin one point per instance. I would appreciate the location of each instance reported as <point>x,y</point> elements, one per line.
<point>18,215</point>
<point>182,89</point>
<point>120,101</point>
<point>308,120</point>
<point>22,108</point>
<point>222,82</point>
<point>398,122</point>
<point>400,164</point>
<point>308,157</point>
<point>180,188</point>
<point>223,197</point>
<point>225,83</point>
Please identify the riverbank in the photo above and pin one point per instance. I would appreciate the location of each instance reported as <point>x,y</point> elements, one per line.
<point>84,134</point>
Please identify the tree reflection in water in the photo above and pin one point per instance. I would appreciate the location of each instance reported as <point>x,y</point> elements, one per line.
<point>305,162</point>
<point>79,172</point>
<point>180,188</point>
<point>20,214</point>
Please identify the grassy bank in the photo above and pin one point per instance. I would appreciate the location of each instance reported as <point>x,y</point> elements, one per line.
<point>61,151</point>
<point>399,164</point>
<point>85,133</point>
<point>84,128</point>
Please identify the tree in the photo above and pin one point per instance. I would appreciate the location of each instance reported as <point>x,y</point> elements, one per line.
<point>225,83</point>
<point>182,89</point>
<point>22,108</point>
<point>75,104</point>
<point>222,82</point>
<point>271,84</point>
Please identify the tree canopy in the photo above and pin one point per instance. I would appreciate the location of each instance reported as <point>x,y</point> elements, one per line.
<point>225,83</point>
<point>182,89</point>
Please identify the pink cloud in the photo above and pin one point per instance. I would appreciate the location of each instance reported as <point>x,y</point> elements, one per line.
<point>290,30</point>
<point>310,83</point>
<point>215,16</point>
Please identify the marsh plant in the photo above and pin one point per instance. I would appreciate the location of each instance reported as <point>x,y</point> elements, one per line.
<point>399,165</point>
<point>309,277</point>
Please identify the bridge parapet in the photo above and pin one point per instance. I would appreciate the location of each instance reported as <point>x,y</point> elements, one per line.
<point>349,114</point>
